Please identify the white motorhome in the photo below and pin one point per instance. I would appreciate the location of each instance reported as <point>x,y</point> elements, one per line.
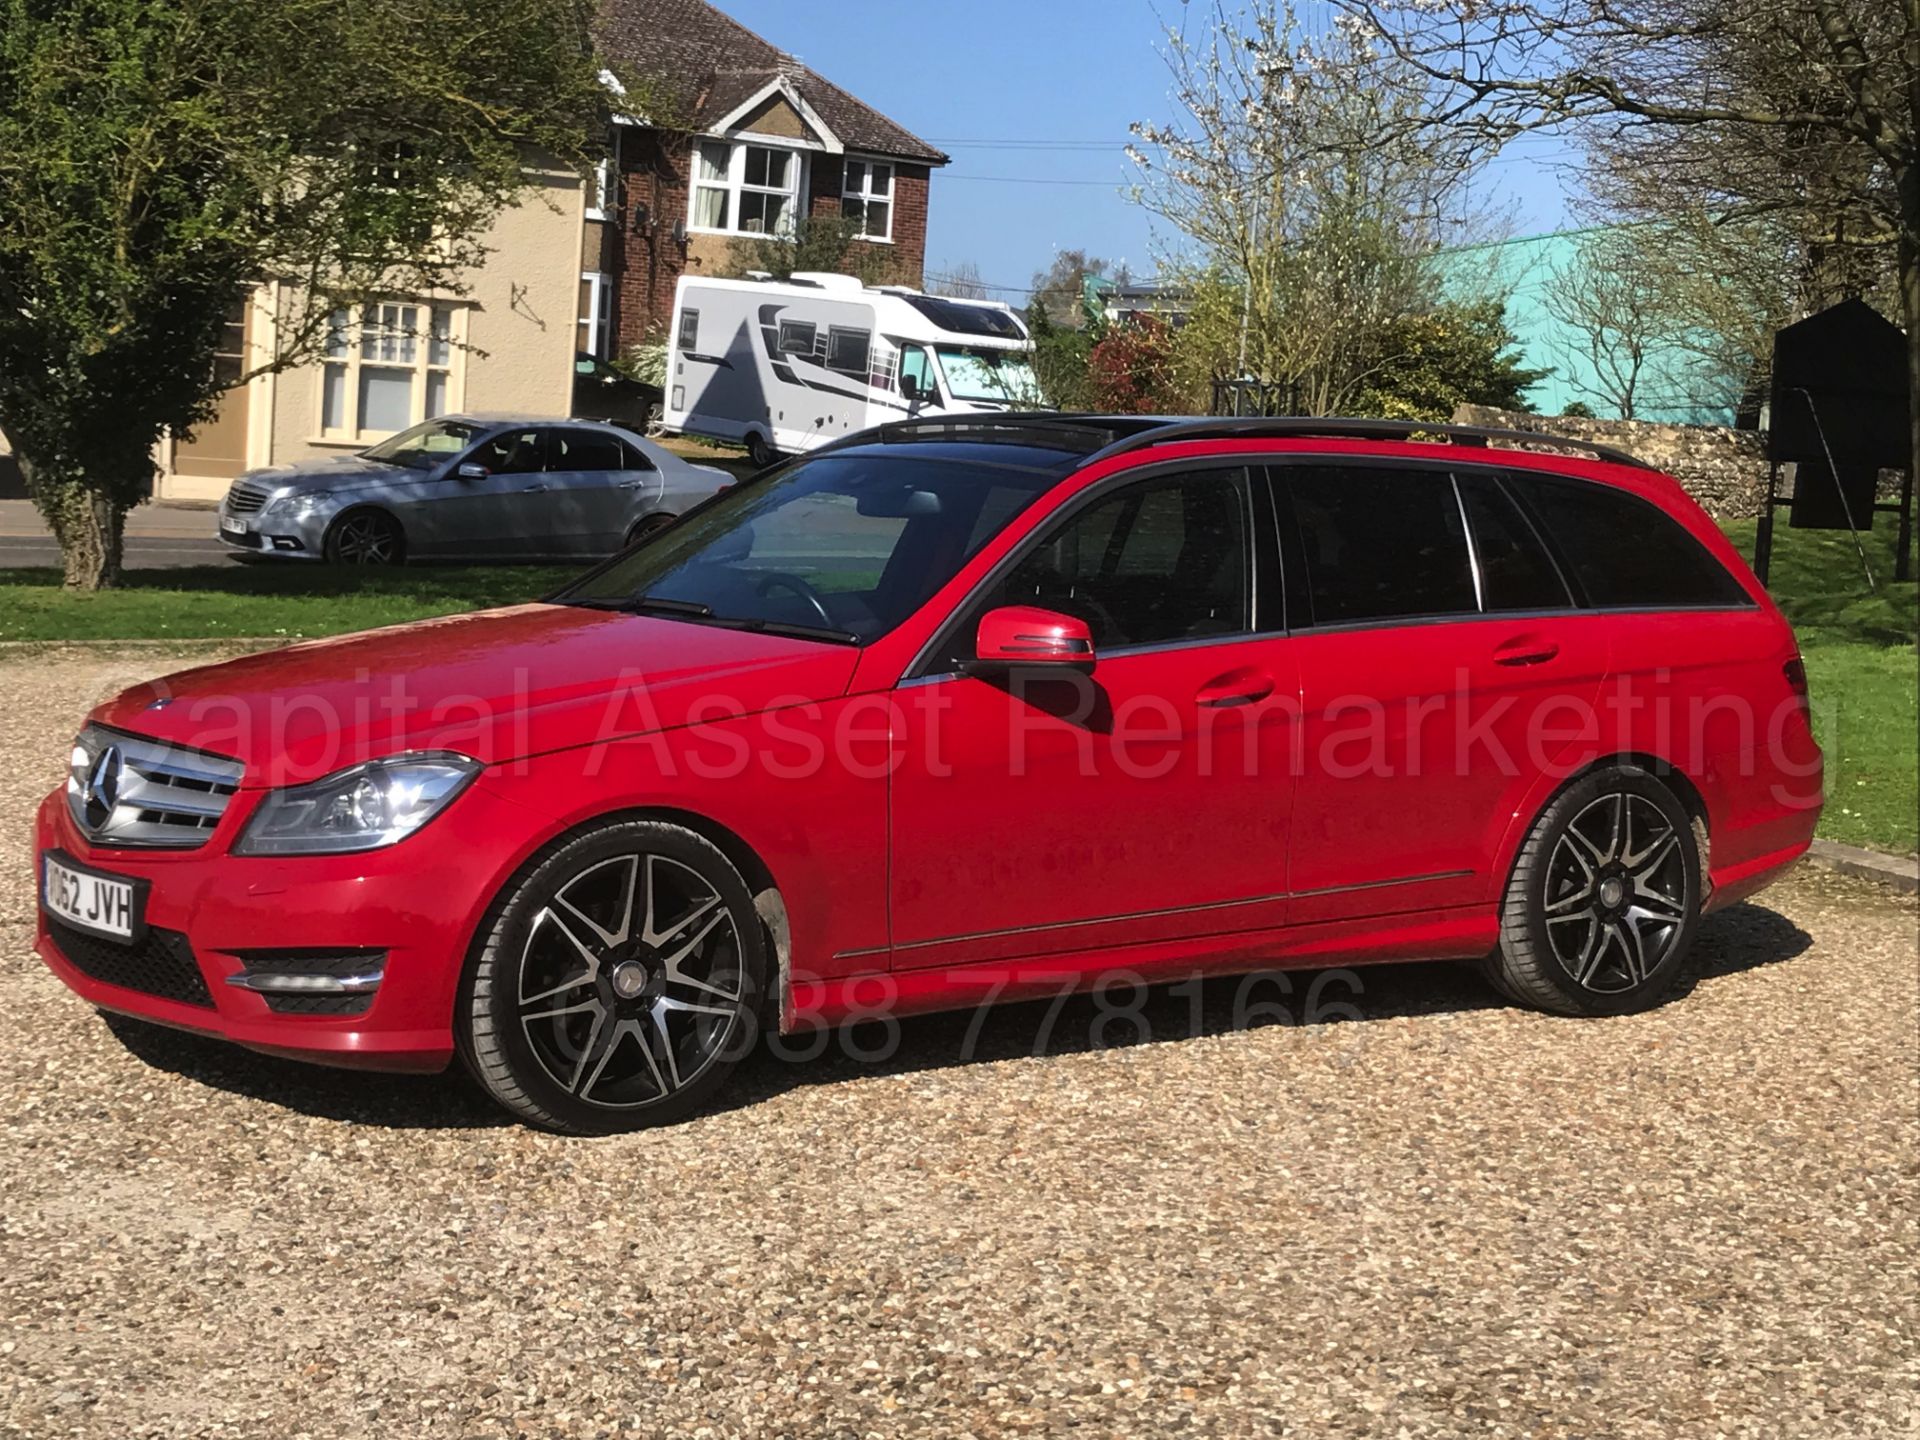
<point>783,366</point>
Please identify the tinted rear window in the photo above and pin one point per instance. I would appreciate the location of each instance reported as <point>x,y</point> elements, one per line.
<point>1623,551</point>
<point>1379,544</point>
<point>1516,572</point>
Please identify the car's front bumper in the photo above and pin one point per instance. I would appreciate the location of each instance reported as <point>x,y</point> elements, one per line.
<point>268,533</point>
<point>408,912</point>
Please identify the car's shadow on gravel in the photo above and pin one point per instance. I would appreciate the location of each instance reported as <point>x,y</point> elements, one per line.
<point>1744,937</point>
<point>396,1102</point>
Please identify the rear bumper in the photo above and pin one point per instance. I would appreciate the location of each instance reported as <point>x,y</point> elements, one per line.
<point>415,906</point>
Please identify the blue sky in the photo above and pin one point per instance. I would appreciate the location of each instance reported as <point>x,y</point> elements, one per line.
<point>1032,98</point>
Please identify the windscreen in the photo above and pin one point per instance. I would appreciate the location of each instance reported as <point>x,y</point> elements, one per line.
<point>844,546</point>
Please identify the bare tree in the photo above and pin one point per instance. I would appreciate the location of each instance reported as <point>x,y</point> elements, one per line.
<point>961,281</point>
<point>1799,114</point>
<point>1611,299</point>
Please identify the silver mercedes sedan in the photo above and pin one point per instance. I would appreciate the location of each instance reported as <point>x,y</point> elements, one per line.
<point>467,487</point>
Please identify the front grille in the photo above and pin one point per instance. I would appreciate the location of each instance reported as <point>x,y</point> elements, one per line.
<point>244,499</point>
<point>129,790</point>
<point>160,963</point>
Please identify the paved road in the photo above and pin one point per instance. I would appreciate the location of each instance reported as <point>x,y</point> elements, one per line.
<point>1446,1217</point>
<point>158,536</point>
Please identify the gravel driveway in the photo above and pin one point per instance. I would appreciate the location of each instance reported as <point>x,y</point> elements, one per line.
<point>1450,1217</point>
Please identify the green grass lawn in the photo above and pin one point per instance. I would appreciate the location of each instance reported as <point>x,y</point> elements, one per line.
<point>210,601</point>
<point>1864,672</point>
<point>1859,645</point>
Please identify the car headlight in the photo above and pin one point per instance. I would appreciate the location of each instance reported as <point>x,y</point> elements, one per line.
<point>300,504</point>
<point>360,808</point>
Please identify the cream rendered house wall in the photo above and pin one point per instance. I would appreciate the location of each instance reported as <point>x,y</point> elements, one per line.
<point>516,333</point>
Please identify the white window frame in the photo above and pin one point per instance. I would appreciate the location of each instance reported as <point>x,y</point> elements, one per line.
<point>431,346</point>
<point>597,321</point>
<point>866,195</point>
<point>735,185</point>
<point>600,190</point>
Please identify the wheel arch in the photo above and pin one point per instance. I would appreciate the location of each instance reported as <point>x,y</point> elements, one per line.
<point>365,507</point>
<point>768,901</point>
<point>1685,789</point>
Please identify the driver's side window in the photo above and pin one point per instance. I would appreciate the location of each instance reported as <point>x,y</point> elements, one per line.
<point>1160,561</point>
<point>513,452</point>
<point>916,369</point>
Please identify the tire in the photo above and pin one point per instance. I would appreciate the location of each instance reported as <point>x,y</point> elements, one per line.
<point>647,527</point>
<point>365,537</point>
<point>760,451</point>
<point>590,1012</point>
<point>1604,898</point>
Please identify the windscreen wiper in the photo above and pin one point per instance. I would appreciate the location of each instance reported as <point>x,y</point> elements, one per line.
<point>641,604</point>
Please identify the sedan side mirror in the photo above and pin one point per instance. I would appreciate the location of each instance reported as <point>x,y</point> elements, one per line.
<point>1027,635</point>
<point>471,471</point>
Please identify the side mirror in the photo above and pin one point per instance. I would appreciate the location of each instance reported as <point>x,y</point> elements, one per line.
<point>471,471</point>
<point>1028,635</point>
<point>910,389</point>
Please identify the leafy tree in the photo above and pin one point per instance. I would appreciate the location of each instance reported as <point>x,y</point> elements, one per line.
<point>1061,289</point>
<point>1313,197</point>
<point>1426,365</point>
<point>158,158</point>
<point>1131,371</point>
<point>823,243</point>
<point>1061,354</point>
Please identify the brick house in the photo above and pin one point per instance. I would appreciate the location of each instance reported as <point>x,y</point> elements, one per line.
<point>759,141</point>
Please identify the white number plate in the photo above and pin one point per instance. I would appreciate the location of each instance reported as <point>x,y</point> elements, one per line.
<point>231,526</point>
<point>93,902</point>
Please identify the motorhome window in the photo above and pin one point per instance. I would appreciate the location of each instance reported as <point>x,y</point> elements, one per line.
<point>848,350</point>
<point>958,319</point>
<point>689,329</point>
<point>797,337</point>
<point>915,366</point>
<point>1000,376</point>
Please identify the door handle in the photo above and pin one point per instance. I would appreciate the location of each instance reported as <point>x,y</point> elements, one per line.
<point>531,489</point>
<point>1236,687</point>
<point>1525,650</point>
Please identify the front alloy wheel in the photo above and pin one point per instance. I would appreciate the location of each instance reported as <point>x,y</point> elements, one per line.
<point>620,984</point>
<point>364,537</point>
<point>1603,899</point>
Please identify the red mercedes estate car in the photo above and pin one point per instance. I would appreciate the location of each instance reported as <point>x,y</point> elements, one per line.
<point>953,712</point>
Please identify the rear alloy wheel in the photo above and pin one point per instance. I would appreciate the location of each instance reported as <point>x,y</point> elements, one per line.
<point>365,537</point>
<point>620,983</point>
<point>1604,898</point>
<point>646,529</point>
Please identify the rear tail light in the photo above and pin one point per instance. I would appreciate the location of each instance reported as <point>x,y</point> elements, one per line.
<point>1796,672</point>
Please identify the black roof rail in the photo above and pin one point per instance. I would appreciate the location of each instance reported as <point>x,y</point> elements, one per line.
<point>1093,432</point>
<point>1257,427</point>
<point>1108,435</point>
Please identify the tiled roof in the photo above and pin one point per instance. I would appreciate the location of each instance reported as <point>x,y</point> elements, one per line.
<point>714,64</point>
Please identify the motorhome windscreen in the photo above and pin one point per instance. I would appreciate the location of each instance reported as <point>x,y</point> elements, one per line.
<point>1001,377</point>
<point>842,547</point>
<point>958,319</point>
